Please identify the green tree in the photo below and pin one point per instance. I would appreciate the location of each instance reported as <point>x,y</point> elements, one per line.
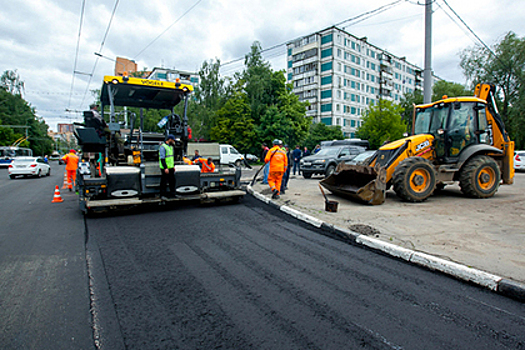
<point>10,81</point>
<point>381,123</point>
<point>408,100</point>
<point>450,89</point>
<point>234,124</point>
<point>504,68</point>
<point>321,132</point>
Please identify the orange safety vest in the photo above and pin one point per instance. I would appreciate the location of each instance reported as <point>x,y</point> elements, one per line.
<point>187,161</point>
<point>277,158</point>
<point>206,167</point>
<point>71,160</point>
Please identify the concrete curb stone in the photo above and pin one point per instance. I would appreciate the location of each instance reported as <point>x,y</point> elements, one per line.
<point>487,280</point>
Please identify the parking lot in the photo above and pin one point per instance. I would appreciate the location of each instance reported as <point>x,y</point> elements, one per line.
<point>486,234</point>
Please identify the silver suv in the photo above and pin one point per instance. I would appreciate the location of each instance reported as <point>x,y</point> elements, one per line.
<point>326,160</point>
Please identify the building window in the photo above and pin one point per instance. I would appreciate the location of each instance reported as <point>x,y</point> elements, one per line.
<point>352,110</point>
<point>327,107</point>
<point>326,39</point>
<point>290,64</point>
<point>352,123</point>
<point>327,121</point>
<point>326,80</point>
<point>326,66</point>
<point>326,53</point>
<point>326,93</point>
<point>290,75</point>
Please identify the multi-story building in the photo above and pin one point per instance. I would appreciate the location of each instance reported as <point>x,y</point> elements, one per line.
<point>340,75</point>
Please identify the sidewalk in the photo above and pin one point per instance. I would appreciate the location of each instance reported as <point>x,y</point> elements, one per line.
<point>481,234</point>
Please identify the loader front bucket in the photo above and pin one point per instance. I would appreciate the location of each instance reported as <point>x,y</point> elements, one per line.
<point>363,183</point>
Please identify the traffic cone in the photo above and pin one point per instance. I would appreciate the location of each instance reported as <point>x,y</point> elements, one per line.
<point>57,198</point>
<point>64,186</point>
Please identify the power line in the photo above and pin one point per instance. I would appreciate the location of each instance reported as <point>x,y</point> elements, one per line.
<point>161,34</point>
<point>77,49</point>
<point>99,50</point>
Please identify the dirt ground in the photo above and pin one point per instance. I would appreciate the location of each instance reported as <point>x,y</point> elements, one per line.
<point>487,234</point>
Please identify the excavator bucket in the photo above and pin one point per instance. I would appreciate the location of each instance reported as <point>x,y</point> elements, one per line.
<point>364,183</point>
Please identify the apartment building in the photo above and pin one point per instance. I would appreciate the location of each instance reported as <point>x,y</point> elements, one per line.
<point>341,75</point>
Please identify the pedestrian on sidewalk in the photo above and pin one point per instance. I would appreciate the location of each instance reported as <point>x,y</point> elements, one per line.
<point>296,155</point>
<point>286,176</point>
<point>278,161</point>
<point>266,169</point>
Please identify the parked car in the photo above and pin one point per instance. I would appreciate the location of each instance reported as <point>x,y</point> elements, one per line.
<point>229,155</point>
<point>361,159</point>
<point>326,160</point>
<point>519,160</point>
<point>251,158</point>
<point>29,166</point>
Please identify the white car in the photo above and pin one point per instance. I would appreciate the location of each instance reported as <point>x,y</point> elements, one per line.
<point>519,160</point>
<point>29,166</point>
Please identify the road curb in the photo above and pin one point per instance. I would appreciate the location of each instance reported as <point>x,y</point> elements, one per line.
<point>484,279</point>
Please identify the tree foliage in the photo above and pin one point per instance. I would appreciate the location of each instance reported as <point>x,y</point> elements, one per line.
<point>321,132</point>
<point>505,69</point>
<point>446,88</point>
<point>14,110</point>
<point>382,123</point>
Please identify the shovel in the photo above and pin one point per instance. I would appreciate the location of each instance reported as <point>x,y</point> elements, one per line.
<point>330,206</point>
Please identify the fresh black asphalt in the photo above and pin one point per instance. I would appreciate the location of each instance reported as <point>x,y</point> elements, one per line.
<point>240,276</point>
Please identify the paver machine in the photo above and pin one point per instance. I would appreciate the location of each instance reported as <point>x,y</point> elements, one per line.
<point>120,161</point>
<point>454,139</point>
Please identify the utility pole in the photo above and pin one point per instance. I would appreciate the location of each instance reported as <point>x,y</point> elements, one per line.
<point>427,73</point>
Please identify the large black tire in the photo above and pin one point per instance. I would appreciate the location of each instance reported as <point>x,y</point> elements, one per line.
<point>480,177</point>
<point>414,179</point>
<point>330,170</point>
<point>307,175</point>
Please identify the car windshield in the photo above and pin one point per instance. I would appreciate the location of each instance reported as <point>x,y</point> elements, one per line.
<point>329,151</point>
<point>363,156</point>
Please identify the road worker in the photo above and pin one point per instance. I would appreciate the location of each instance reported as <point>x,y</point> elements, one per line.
<point>167,167</point>
<point>278,161</point>
<point>71,160</point>
<point>207,165</point>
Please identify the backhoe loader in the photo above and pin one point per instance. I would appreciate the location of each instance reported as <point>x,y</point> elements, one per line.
<point>459,139</point>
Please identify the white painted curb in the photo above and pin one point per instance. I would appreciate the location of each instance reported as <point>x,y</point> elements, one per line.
<point>460,271</point>
<point>389,248</point>
<point>304,217</point>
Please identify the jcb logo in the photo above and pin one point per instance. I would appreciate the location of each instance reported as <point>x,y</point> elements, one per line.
<point>422,145</point>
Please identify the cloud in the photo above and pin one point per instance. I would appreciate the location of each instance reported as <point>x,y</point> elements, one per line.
<point>39,38</point>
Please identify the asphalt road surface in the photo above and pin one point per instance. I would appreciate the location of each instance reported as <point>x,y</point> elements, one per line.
<point>241,276</point>
<point>246,276</point>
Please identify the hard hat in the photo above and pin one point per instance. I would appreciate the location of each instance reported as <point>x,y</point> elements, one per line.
<point>276,142</point>
<point>171,137</point>
<point>72,151</point>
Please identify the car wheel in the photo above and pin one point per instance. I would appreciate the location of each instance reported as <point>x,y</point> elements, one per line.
<point>330,170</point>
<point>12,177</point>
<point>39,173</point>
<point>307,175</point>
<point>48,172</point>
<point>238,163</point>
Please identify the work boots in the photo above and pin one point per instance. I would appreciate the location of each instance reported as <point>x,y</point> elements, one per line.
<point>275,194</point>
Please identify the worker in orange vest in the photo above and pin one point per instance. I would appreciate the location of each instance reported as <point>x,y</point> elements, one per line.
<point>71,160</point>
<point>278,164</point>
<point>207,165</point>
<point>187,161</point>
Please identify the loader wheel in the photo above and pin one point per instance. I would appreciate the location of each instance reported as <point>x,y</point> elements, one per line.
<point>480,177</point>
<point>414,179</point>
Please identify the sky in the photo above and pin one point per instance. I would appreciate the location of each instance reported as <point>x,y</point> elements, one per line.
<point>46,41</point>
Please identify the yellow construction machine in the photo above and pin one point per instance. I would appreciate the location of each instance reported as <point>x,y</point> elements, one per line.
<point>454,139</point>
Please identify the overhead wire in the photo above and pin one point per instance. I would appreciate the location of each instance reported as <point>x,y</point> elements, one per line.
<point>77,50</point>
<point>168,28</point>
<point>100,51</point>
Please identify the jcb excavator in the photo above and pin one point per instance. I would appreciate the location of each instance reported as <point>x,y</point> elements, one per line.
<point>455,139</point>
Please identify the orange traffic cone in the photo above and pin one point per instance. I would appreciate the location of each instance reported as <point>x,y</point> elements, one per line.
<point>64,186</point>
<point>57,198</point>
